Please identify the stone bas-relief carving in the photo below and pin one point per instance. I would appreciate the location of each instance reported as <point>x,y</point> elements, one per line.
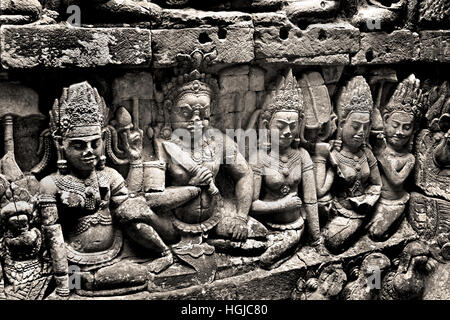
<point>129,186</point>
<point>85,206</point>
<point>278,201</point>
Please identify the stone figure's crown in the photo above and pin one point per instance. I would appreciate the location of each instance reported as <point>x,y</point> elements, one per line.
<point>191,80</point>
<point>355,96</point>
<point>285,95</point>
<point>79,112</point>
<point>408,97</point>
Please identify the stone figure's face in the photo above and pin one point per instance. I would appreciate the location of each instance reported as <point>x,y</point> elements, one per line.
<point>286,123</point>
<point>398,128</point>
<point>190,111</point>
<point>83,153</point>
<point>355,129</point>
<point>18,224</point>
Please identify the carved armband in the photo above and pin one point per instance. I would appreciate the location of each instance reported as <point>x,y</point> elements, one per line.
<point>49,210</point>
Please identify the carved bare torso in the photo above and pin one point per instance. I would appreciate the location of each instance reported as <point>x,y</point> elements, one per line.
<point>84,209</point>
<point>199,208</point>
<point>277,182</point>
<point>353,173</point>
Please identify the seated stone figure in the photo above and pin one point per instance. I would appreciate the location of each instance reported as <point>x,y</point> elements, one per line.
<point>357,185</point>
<point>85,206</point>
<point>285,189</point>
<point>401,117</point>
<point>193,207</point>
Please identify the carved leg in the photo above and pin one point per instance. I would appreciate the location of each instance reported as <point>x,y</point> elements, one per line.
<point>279,243</point>
<point>146,236</point>
<point>339,232</point>
<point>385,218</point>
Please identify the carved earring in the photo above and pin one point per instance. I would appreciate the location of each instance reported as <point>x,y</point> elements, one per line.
<point>102,162</point>
<point>62,162</point>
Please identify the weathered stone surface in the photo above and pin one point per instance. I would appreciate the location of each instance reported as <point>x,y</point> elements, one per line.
<point>288,44</point>
<point>435,46</point>
<point>378,48</point>
<point>404,235</point>
<point>256,78</point>
<point>299,10</point>
<point>236,46</point>
<point>190,18</point>
<point>437,286</point>
<point>434,12</point>
<point>58,46</point>
<point>270,19</point>
<point>21,7</point>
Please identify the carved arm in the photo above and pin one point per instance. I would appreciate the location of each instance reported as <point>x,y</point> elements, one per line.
<point>396,177</point>
<point>54,237</point>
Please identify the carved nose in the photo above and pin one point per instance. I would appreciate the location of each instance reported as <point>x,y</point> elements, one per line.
<point>89,150</point>
<point>196,116</point>
<point>287,133</point>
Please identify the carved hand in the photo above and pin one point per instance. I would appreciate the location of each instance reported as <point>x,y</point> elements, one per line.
<point>203,177</point>
<point>132,141</point>
<point>239,230</point>
<point>335,144</point>
<point>322,150</point>
<point>291,201</point>
<point>379,144</point>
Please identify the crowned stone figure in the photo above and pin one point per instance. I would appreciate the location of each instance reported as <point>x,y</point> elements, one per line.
<point>85,206</point>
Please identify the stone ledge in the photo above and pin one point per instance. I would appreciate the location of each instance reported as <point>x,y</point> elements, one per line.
<point>57,46</point>
<point>191,18</point>
<point>276,284</point>
<point>236,41</point>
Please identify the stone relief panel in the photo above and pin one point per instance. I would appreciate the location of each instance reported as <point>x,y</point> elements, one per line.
<point>290,149</point>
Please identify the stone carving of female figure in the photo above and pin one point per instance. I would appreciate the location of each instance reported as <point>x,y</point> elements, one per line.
<point>85,206</point>
<point>357,185</point>
<point>396,161</point>
<point>285,190</point>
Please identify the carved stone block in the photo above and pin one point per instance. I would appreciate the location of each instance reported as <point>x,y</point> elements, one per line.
<point>396,47</point>
<point>291,44</point>
<point>234,46</point>
<point>58,47</point>
<point>435,46</point>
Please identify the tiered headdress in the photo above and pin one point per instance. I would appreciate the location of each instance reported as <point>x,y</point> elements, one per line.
<point>80,112</point>
<point>285,95</point>
<point>192,80</point>
<point>355,96</point>
<point>188,80</point>
<point>407,97</point>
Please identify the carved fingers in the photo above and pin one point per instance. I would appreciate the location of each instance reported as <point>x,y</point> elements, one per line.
<point>292,201</point>
<point>239,230</point>
<point>202,177</point>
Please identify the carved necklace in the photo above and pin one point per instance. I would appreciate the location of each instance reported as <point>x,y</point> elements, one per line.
<point>356,162</point>
<point>285,164</point>
<point>87,188</point>
<point>352,160</point>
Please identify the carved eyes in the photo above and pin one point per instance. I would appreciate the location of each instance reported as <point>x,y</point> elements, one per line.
<point>188,111</point>
<point>81,145</point>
